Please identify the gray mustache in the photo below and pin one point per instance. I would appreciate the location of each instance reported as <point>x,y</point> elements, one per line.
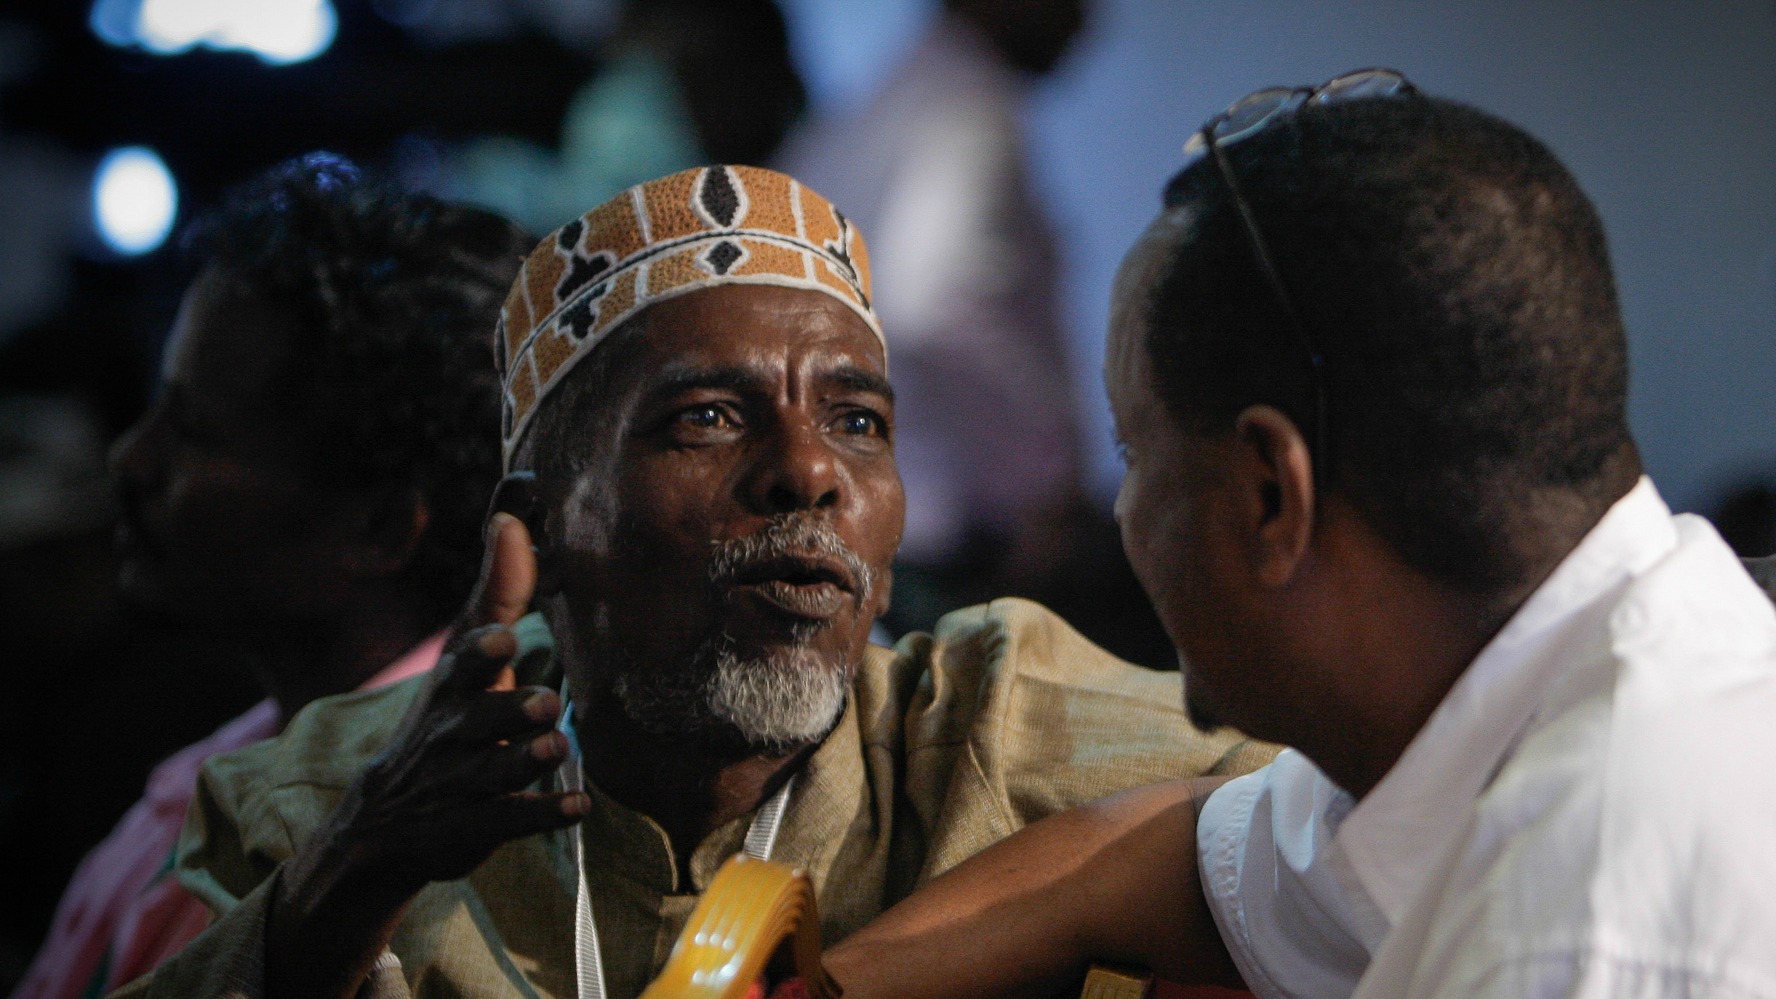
<point>789,535</point>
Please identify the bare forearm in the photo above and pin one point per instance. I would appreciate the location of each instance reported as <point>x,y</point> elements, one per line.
<point>1115,881</point>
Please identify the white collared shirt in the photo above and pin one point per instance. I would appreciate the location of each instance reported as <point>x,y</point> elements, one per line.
<point>1590,811</point>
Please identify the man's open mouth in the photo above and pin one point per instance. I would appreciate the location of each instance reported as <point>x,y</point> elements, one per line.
<point>813,587</point>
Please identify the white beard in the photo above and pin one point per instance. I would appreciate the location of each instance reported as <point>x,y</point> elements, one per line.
<point>780,701</point>
<point>788,699</point>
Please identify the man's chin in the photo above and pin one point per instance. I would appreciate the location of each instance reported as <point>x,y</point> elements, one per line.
<point>757,630</point>
<point>772,699</point>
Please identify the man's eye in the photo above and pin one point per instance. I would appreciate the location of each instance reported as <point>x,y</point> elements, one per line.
<point>862,423</point>
<point>705,418</point>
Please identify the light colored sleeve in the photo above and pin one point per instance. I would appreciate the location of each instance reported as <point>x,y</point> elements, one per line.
<point>1592,973</point>
<point>216,866</point>
<point>1019,717</point>
<point>230,855</point>
<point>1295,925</point>
<point>227,961</point>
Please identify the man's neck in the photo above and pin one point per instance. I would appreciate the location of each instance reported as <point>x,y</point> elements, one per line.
<point>1408,640</point>
<point>689,786</point>
<point>1403,667</point>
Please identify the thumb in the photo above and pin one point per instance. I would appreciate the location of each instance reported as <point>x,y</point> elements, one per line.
<point>508,580</point>
<point>508,575</point>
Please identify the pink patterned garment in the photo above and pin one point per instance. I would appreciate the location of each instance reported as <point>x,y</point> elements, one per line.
<point>123,912</point>
<point>1160,989</point>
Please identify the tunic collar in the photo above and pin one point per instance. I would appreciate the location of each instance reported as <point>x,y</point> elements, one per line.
<point>828,791</point>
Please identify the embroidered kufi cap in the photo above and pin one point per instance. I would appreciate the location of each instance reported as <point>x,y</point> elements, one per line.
<point>694,229</point>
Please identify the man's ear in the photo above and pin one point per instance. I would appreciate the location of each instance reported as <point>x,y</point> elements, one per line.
<point>389,525</point>
<point>516,494</point>
<point>1282,497</point>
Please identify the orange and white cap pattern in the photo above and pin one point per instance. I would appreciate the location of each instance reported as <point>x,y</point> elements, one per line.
<point>694,229</point>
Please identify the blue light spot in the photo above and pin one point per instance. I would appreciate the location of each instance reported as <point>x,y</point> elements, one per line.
<point>134,200</point>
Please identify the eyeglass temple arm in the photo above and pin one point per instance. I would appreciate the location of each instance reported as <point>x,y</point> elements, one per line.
<point>1261,251</point>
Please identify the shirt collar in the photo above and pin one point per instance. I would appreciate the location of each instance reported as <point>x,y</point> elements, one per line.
<point>830,785</point>
<point>1394,837</point>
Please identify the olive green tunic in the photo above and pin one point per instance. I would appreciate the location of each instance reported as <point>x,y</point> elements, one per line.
<point>949,743</point>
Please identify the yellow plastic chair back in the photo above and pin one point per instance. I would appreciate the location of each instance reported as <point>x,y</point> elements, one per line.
<point>1103,982</point>
<point>750,908</point>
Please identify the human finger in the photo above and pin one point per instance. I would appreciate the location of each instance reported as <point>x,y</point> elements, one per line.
<point>526,813</point>
<point>506,714</point>
<point>475,660</point>
<point>456,842</point>
<point>508,573</point>
<point>512,766</point>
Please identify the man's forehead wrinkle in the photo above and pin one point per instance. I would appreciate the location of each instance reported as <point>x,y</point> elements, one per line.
<point>856,378</point>
<point>683,376</point>
<point>759,378</point>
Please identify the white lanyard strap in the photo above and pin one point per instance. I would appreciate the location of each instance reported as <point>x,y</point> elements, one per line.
<point>761,837</point>
<point>588,961</point>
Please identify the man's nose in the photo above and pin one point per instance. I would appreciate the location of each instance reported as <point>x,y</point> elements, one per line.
<point>796,470</point>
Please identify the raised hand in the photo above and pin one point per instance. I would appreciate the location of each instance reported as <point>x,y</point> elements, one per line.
<point>450,789</point>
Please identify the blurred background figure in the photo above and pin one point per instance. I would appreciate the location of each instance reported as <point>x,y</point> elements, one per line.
<point>1763,569</point>
<point>1745,516</point>
<point>934,170</point>
<point>306,494</point>
<point>682,83</point>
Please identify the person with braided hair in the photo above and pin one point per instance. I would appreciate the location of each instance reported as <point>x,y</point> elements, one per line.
<point>308,489</point>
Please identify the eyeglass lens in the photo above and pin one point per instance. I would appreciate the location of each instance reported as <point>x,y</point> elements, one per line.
<point>1254,111</point>
<point>1361,84</point>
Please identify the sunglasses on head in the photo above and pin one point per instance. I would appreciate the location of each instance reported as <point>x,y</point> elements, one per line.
<point>1247,117</point>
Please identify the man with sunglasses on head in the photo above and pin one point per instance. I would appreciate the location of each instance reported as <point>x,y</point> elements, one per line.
<point>1371,377</point>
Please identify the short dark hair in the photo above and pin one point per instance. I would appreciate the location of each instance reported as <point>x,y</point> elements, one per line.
<point>391,299</point>
<point>1457,283</point>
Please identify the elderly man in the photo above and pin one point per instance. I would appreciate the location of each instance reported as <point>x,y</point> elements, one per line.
<point>699,424</point>
<point>1371,378</point>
